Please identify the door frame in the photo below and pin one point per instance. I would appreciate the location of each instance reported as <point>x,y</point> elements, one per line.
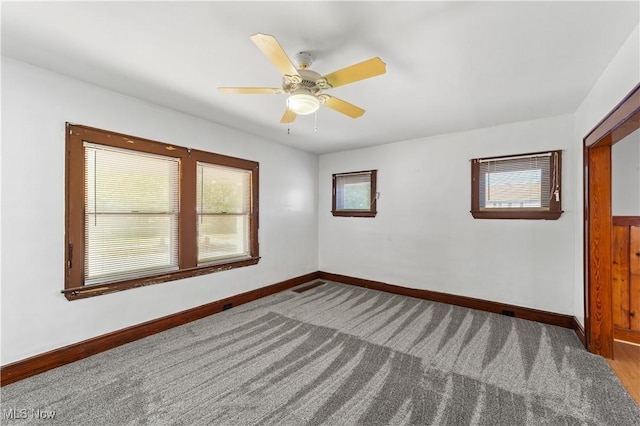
<point>623,120</point>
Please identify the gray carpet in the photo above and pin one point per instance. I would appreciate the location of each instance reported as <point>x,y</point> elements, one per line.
<point>335,355</point>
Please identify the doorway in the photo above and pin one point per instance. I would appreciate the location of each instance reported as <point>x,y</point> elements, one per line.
<point>622,121</point>
<point>625,208</point>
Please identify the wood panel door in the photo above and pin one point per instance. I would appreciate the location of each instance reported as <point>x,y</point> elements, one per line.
<point>620,277</point>
<point>625,284</point>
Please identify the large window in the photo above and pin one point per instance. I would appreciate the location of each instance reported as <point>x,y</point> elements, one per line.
<point>224,212</point>
<point>354,194</point>
<point>140,212</point>
<point>523,186</point>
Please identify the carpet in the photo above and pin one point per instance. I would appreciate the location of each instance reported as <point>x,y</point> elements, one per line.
<point>334,355</point>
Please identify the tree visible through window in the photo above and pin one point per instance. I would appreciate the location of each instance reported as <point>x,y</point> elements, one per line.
<point>223,204</point>
<point>140,212</point>
<point>354,194</point>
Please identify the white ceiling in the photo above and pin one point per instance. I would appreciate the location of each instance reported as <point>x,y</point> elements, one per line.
<point>451,66</point>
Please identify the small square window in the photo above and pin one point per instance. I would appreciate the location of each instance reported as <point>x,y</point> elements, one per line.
<point>354,194</point>
<point>525,186</point>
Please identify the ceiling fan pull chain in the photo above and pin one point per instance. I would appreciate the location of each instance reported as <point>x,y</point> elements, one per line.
<point>315,122</point>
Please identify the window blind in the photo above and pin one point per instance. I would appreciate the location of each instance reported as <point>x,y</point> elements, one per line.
<point>131,214</point>
<point>524,182</point>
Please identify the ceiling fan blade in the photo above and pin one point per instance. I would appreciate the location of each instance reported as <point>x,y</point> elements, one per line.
<point>272,50</point>
<point>250,90</point>
<point>343,106</point>
<point>288,116</point>
<point>367,69</point>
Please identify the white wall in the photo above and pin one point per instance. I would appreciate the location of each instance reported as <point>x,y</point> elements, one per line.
<point>36,317</point>
<point>625,176</point>
<point>618,79</point>
<point>424,236</point>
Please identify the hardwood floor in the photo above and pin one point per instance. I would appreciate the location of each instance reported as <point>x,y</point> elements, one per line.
<point>626,365</point>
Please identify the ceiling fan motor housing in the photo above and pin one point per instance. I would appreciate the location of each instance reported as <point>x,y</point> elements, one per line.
<point>306,85</point>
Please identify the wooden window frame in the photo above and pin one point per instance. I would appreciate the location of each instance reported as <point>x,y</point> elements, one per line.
<point>76,135</point>
<point>355,213</point>
<point>552,213</point>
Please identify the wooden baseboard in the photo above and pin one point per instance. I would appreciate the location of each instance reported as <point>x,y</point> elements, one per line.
<point>546,317</point>
<point>37,364</point>
<point>579,330</point>
<point>626,335</point>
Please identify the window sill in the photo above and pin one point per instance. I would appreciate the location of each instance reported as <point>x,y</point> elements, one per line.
<point>99,289</point>
<point>518,214</point>
<point>353,213</point>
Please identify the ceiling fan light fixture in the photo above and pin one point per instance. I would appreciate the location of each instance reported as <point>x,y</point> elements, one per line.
<point>303,104</point>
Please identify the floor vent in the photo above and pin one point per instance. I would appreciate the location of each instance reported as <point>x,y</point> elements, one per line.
<point>308,287</point>
<point>508,313</point>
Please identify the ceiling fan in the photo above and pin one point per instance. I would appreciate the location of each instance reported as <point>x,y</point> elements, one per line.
<point>304,86</point>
